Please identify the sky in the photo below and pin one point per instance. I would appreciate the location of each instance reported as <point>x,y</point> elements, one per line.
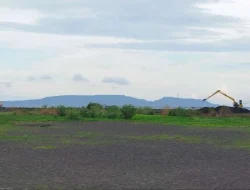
<point>142,48</point>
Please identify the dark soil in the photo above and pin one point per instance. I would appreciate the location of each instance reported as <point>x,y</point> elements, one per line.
<point>207,110</point>
<point>131,165</point>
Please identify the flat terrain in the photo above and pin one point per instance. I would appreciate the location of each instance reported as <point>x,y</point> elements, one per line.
<point>119,155</point>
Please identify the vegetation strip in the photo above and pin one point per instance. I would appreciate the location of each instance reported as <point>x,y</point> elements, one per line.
<point>23,122</point>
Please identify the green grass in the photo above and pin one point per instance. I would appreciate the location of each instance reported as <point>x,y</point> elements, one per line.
<point>45,147</point>
<point>88,134</point>
<point>10,119</point>
<point>239,143</point>
<point>195,121</point>
<point>164,137</point>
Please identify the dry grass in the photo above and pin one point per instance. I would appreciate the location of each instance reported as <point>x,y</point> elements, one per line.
<point>43,111</point>
<point>166,110</point>
<point>20,112</point>
<point>48,111</point>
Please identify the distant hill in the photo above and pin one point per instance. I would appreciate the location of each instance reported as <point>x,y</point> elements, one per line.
<point>119,100</point>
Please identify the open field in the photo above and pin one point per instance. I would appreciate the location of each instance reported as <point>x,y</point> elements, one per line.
<point>146,152</point>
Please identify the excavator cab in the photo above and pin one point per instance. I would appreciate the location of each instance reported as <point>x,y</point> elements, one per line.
<point>240,105</point>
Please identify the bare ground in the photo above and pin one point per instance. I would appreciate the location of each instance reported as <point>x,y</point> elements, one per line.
<point>128,164</point>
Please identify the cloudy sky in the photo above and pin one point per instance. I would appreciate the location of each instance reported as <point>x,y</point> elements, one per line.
<point>142,48</point>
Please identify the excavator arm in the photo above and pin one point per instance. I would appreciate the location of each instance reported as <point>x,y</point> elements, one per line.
<point>212,95</point>
<point>219,91</point>
<point>228,96</point>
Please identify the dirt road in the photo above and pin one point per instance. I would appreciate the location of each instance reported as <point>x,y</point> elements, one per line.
<point>114,156</point>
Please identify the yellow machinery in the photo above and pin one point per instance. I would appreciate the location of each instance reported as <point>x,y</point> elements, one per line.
<point>235,104</point>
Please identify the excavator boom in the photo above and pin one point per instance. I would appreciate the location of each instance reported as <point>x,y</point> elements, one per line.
<point>219,91</point>
<point>212,95</point>
<point>228,96</point>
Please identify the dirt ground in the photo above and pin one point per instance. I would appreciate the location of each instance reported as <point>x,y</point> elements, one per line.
<point>105,156</point>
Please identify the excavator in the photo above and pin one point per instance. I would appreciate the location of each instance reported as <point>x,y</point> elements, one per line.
<point>235,104</point>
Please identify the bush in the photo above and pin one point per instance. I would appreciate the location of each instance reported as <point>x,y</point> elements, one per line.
<point>94,106</point>
<point>84,112</point>
<point>73,114</point>
<point>183,112</point>
<point>61,110</point>
<point>128,111</point>
<point>113,112</point>
<point>145,111</point>
<point>93,110</point>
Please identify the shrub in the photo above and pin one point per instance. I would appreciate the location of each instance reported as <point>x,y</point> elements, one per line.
<point>183,112</point>
<point>93,111</point>
<point>145,111</point>
<point>96,110</point>
<point>113,112</point>
<point>73,114</point>
<point>128,111</point>
<point>94,106</point>
<point>84,112</point>
<point>61,110</point>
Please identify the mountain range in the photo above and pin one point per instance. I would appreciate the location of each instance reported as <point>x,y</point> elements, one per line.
<point>119,100</point>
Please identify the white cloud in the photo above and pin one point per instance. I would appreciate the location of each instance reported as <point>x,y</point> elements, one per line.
<point>31,78</point>
<point>79,78</point>
<point>194,95</point>
<point>33,16</point>
<point>21,16</point>
<point>28,40</point>
<point>116,80</point>
<point>6,84</point>
<point>233,8</point>
<point>76,13</point>
<point>46,77</point>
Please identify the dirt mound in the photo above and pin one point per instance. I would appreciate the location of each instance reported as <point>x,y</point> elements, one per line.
<point>223,109</point>
<point>233,109</point>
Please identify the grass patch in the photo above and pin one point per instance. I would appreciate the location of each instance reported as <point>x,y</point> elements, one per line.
<point>87,135</point>
<point>101,142</point>
<point>14,119</point>
<point>194,121</point>
<point>241,143</point>
<point>45,147</point>
<point>164,137</point>
<point>222,143</point>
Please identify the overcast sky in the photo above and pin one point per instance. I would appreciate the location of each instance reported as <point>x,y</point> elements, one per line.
<point>142,48</point>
